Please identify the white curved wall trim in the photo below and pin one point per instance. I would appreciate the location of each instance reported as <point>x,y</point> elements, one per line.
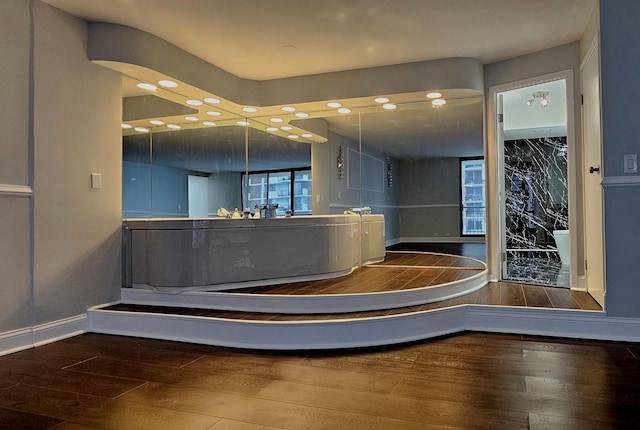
<point>621,181</point>
<point>16,190</point>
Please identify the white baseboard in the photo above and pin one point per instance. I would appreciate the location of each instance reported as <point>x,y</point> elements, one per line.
<point>25,338</point>
<point>443,239</point>
<point>15,340</point>
<point>582,284</point>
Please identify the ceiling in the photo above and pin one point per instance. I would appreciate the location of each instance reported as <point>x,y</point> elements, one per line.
<point>273,39</point>
<point>257,39</point>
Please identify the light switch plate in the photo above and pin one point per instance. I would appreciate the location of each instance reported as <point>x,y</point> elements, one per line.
<point>96,180</point>
<point>631,163</point>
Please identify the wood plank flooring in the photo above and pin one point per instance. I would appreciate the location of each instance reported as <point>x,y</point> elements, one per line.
<point>467,381</point>
<point>399,271</point>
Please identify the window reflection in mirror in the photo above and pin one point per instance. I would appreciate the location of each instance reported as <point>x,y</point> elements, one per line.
<point>279,173</point>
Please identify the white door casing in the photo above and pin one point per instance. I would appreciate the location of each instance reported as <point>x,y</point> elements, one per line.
<point>592,174</point>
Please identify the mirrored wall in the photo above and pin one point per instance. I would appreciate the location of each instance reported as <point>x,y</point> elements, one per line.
<point>402,162</point>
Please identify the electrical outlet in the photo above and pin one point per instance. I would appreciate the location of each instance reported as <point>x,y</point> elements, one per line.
<point>631,163</point>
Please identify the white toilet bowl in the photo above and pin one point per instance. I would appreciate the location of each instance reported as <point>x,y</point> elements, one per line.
<point>562,243</point>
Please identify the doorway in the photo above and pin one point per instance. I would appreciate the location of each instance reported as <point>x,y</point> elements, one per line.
<point>198,196</point>
<point>533,183</point>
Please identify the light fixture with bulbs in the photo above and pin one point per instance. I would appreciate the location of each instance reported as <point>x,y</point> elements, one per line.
<point>542,95</point>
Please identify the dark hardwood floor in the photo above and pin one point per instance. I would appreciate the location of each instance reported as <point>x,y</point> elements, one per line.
<point>468,381</point>
<point>473,250</point>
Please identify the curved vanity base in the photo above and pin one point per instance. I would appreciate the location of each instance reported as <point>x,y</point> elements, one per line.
<point>172,291</point>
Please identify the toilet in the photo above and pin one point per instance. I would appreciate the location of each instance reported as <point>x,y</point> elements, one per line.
<point>562,243</point>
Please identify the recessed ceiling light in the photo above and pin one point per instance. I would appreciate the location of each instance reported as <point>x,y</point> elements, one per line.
<point>194,102</point>
<point>293,136</point>
<point>272,129</point>
<point>146,86</point>
<point>212,100</point>
<point>286,128</point>
<point>243,123</point>
<point>142,129</point>
<point>307,135</point>
<point>288,108</point>
<point>249,109</point>
<point>191,118</point>
<point>344,110</point>
<point>276,119</point>
<point>209,123</point>
<point>334,104</point>
<point>434,95</point>
<point>173,126</point>
<point>126,126</point>
<point>438,102</point>
<point>302,114</point>
<point>167,83</point>
<point>156,122</point>
<point>389,106</point>
<point>213,113</point>
<point>381,100</point>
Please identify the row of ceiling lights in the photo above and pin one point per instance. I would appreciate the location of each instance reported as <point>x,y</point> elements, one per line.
<point>435,97</point>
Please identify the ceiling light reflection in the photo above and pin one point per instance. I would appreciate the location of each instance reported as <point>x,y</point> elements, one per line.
<point>167,83</point>
<point>146,86</point>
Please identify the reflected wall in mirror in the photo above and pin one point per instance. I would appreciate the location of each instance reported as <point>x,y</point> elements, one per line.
<point>403,163</point>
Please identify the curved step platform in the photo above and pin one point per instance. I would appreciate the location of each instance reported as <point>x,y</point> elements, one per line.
<point>410,296</point>
<point>403,279</point>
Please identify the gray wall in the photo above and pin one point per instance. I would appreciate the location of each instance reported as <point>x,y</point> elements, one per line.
<point>620,72</point>
<point>338,194</point>
<point>429,198</point>
<point>15,228</point>
<point>69,122</point>
<point>224,191</point>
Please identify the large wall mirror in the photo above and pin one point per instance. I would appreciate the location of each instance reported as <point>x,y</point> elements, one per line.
<point>403,162</point>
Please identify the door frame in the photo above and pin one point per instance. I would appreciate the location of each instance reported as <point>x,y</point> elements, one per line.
<point>594,229</point>
<point>495,174</point>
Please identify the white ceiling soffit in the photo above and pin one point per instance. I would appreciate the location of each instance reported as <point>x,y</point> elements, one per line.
<point>261,40</point>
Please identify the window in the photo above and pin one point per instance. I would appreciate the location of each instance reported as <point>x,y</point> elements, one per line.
<point>277,187</point>
<point>473,204</point>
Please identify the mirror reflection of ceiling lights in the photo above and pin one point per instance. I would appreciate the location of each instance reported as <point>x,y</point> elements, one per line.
<point>263,118</point>
<point>542,95</point>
